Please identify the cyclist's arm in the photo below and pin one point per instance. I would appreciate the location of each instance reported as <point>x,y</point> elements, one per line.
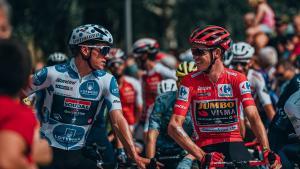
<point>39,80</point>
<point>118,122</point>
<point>123,132</point>
<point>166,72</point>
<point>151,143</point>
<point>264,97</point>
<point>41,151</point>
<point>259,15</point>
<point>13,148</point>
<point>257,125</point>
<point>176,131</point>
<point>154,127</point>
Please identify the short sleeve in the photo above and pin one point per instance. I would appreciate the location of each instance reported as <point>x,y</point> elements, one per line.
<point>39,80</point>
<point>244,91</point>
<point>112,95</point>
<point>183,97</point>
<point>23,122</point>
<point>156,115</point>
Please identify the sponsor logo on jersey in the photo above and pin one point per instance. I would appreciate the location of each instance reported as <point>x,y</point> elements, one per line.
<point>214,112</point>
<point>63,87</point>
<point>204,88</point>
<point>89,89</point>
<point>77,104</point>
<point>219,129</point>
<point>245,87</point>
<point>231,73</point>
<point>180,106</point>
<point>113,87</point>
<point>225,90</point>
<point>183,93</point>
<point>59,80</point>
<point>67,135</point>
<point>203,94</point>
<point>40,77</point>
<point>61,68</point>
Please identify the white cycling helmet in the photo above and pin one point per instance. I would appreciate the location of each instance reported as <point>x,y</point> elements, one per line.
<point>186,56</point>
<point>227,58</point>
<point>145,45</point>
<point>90,32</point>
<point>115,55</point>
<point>166,86</point>
<point>241,52</point>
<point>56,58</point>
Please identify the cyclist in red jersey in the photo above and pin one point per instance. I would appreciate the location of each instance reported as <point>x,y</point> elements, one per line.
<point>17,121</point>
<point>130,88</point>
<point>145,51</point>
<point>213,94</point>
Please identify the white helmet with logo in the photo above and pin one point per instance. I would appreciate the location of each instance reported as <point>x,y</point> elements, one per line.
<point>242,52</point>
<point>90,32</point>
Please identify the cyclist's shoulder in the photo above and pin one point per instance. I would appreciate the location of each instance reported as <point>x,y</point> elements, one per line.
<point>132,81</point>
<point>166,98</point>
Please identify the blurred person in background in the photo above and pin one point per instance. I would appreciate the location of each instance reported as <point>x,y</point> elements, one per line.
<point>260,41</point>
<point>242,61</point>
<point>285,71</point>
<point>145,51</point>
<point>249,19</point>
<point>266,60</point>
<point>264,18</point>
<point>5,14</point>
<point>159,143</point>
<point>130,95</point>
<point>19,136</point>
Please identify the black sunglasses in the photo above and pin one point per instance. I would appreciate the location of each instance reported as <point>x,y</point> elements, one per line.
<point>199,51</point>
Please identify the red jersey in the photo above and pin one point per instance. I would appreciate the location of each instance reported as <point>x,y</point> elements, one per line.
<point>214,107</point>
<point>18,118</point>
<point>130,96</point>
<point>150,83</point>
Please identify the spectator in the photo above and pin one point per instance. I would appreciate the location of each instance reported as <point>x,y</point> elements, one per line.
<point>264,18</point>
<point>5,27</point>
<point>260,41</point>
<point>17,122</point>
<point>285,71</point>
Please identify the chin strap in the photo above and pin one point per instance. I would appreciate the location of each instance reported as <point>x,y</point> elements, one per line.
<point>212,62</point>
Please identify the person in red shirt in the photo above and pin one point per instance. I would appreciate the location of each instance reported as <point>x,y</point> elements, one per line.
<point>17,121</point>
<point>145,51</point>
<point>213,94</point>
<point>130,88</point>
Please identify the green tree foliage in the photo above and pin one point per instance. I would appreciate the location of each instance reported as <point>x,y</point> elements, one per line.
<point>47,23</point>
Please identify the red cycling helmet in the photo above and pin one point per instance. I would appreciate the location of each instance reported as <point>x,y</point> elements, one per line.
<point>210,37</point>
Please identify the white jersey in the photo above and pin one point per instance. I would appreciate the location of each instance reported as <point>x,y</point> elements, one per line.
<point>258,87</point>
<point>72,102</point>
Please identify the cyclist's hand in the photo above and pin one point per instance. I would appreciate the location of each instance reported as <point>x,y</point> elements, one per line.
<point>210,158</point>
<point>121,156</point>
<point>154,164</point>
<point>273,159</point>
<point>141,162</point>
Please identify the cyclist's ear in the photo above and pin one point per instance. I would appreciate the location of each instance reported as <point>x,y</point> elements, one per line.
<point>217,53</point>
<point>84,50</point>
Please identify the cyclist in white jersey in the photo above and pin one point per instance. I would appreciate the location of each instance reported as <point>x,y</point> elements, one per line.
<point>242,62</point>
<point>75,93</point>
